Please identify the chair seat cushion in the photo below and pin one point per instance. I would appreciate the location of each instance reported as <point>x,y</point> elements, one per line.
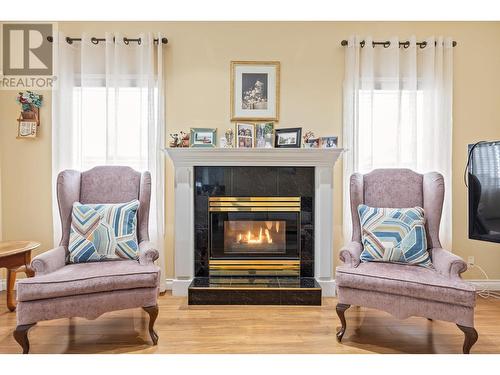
<point>86,278</point>
<point>406,280</point>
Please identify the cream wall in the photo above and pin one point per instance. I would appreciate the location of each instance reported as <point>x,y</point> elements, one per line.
<point>312,63</point>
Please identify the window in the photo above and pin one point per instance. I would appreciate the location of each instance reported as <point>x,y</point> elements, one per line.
<point>113,126</point>
<point>390,125</point>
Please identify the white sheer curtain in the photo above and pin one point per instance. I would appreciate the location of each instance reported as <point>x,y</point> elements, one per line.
<point>108,109</point>
<point>398,112</point>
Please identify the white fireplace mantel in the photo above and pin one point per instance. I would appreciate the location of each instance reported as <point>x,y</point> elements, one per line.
<point>185,159</point>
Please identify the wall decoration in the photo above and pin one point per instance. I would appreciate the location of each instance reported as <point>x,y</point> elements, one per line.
<point>287,138</point>
<point>255,90</point>
<point>27,126</point>
<point>245,134</point>
<point>202,137</point>
<point>264,135</point>
<point>328,142</point>
<point>29,118</point>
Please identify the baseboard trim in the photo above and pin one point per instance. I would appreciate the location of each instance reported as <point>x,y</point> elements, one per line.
<point>327,287</point>
<point>489,285</point>
<point>180,287</point>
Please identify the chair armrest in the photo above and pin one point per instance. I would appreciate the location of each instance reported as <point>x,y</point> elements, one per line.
<point>447,263</point>
<point>49,261</point>
<point>147,253</point>
<point>350,253</point>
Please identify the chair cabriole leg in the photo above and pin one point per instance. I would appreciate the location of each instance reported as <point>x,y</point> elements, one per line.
<point>341,308</point>
<point>153,314</point>
<point>21,336</point>
<point>470,337</point>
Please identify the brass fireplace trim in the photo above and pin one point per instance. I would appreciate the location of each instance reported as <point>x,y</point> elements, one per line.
<point>253,204</point>
<point>254,267</point>
<point>253,199</point>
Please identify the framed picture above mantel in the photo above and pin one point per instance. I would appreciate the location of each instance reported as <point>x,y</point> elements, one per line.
<point>255,90</point>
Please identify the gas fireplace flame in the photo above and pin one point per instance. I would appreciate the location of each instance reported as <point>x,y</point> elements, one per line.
<point>264,236</point>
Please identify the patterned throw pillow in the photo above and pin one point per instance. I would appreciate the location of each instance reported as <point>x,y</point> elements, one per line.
<point>103,232</point>
<point>394,235</point>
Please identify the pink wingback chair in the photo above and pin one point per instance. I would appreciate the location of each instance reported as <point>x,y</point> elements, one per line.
<point>405,290</point>
<point>88,290</point>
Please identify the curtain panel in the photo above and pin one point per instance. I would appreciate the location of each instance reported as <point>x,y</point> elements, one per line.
<point>397,113</point>
<point>108,108</point>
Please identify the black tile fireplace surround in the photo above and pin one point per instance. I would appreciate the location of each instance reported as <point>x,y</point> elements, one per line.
<point>256,182</point>
<point>234,182</point>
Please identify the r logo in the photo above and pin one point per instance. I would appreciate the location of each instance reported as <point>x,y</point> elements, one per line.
<point>26,50</point>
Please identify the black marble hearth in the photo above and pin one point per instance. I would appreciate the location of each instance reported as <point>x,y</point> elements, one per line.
<point>303,291</point>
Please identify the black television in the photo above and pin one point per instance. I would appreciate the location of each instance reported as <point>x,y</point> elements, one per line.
<point>483,181</point>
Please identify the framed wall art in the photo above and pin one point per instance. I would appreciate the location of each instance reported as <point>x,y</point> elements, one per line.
<point>255,93</point>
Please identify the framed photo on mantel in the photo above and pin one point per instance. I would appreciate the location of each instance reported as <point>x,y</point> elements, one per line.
<point>255,90</point>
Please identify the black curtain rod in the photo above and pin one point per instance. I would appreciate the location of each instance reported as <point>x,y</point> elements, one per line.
<point>97,40</point>
<point>387,43</point>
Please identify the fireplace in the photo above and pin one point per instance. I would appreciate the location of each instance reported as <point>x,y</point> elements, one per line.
<point>254,236</point>
<point>204,173</point>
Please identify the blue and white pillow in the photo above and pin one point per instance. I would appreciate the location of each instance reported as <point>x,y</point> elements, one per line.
<point>103,232</point>
<point>394,235</point>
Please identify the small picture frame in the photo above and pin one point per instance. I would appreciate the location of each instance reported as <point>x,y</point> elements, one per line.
<point>245,135</point>
<point>202,137</point>
<point>264,135</point>
<point>328,142</point>
<point>312,143</point>
<point>287,138</point>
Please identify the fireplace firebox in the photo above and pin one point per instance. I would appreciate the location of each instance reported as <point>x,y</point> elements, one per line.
<point>254,236</point>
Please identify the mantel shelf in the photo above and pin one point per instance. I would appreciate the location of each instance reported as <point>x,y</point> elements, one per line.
<point>298,157</point>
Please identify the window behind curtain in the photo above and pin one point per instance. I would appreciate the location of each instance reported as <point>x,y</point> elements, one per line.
<point>113,126</point>
<point>390,125</point>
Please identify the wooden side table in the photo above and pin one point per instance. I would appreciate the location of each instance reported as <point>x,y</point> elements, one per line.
<point>16,257</point>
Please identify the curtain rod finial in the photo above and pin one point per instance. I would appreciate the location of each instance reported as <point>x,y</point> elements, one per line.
<point>344,43</point>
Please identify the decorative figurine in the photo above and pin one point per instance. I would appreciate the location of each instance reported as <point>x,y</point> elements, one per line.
<point>229,135</point>
<point>184,141</point>
<point>175,140</point>
<point>310,141</point>
<point>307,136</point>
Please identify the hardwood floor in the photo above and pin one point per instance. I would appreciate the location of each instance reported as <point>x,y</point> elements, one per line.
<point>252,329</point>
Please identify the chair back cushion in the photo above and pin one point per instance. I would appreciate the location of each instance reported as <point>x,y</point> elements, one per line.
<point>395,188</point>
<point>103,232</point>
<point>109,184</point>
<point>395,235</point>
<point>103,185</point>
<point>399,188</point>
